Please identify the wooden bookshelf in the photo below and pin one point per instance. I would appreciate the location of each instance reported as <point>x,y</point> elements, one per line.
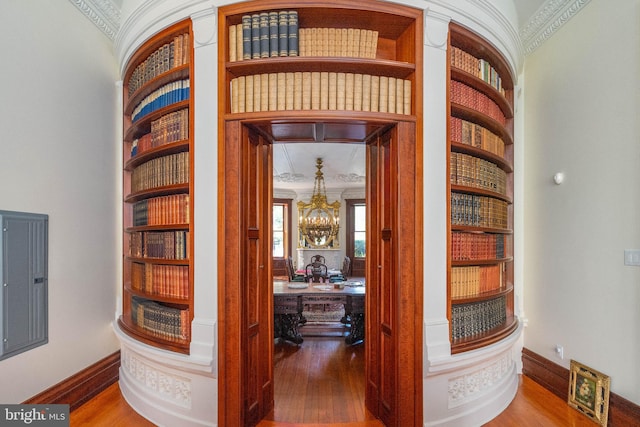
<point>480,108</point>
<point>158,288</point>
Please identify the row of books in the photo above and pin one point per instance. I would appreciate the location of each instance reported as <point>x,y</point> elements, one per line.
<point>164,210</point>
<point>162,171</point>
<point>168,56</point>
<point>476,100</point>
<point>475,279</point>
<point>264,35</point>
<point>296,91</point>
<point>172,244</point>
<point>162,280</point>
<point>478,211</point>
<point>472,134</point>
<point>474,172</point>
<point>342,42</point>
<point>169,128</point>
<point>468,320</point>
<point>166,95</point>
<point>474,246</point>
<point>161,321</point>
<point>477,66</point>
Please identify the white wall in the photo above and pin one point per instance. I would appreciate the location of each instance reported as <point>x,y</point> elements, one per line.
<point>58,156</point>
<point>582,105</point>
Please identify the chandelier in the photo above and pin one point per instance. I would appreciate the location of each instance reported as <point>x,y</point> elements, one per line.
<point>319,220</point>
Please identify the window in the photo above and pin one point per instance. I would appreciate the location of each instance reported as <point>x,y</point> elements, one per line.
<point>280,230</point>
<point>359,230</point>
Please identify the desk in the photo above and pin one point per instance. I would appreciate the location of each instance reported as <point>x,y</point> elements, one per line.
<point>289,302</point>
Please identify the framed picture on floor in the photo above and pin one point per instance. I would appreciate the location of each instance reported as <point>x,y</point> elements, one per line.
<point>589,392</point>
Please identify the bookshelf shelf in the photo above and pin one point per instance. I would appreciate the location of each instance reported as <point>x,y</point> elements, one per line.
<point>179,73</point>
<point>143,125</point>
<point>157,183</point>
<point>378,67</point>
<point>163,150</point>
<point>481,142</point>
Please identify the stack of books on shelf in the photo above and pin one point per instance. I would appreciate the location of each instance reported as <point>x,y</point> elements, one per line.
<point>341,42</point>
<point>296,91</point>
<point>474,246</point>
<point>159,244</point>
<point>478,211</point>
<point>264,35</point>
<point>478,67</point>
<point>469,133</point>
<point>161,321</point>
<point>165,210</point>
<point>471,98</point>
<point>162,280</point>
<point>164,96</point>
<point>471,171</point>
<point>169,128</point>
<point>162,171</point>
<point>168,56</point>
<point>474,280</point>
<point>468,320</point>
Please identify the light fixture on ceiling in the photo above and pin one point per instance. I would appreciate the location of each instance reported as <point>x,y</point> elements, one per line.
<point>319,220</point>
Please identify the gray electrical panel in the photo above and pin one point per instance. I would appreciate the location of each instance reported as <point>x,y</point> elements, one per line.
<point>23,300</point>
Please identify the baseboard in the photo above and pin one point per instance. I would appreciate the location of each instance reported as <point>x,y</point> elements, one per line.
<point>555,378</point>
<point>83,386</point>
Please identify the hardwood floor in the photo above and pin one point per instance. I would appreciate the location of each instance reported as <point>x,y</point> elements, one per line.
<point>321,383</point>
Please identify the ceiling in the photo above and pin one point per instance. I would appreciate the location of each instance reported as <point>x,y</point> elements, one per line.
<point>344,164</point>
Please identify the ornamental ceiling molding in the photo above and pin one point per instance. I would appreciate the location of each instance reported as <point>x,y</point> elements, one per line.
<point>103,13</point>
<point>547,20</point>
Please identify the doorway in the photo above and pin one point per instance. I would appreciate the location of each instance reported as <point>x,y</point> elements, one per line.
<point>393,307</point>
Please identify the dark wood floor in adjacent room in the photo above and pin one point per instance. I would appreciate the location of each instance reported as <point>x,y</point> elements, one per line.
<point>321,383</point>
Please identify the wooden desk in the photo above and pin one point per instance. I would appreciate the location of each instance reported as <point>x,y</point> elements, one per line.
<point>288,304</point>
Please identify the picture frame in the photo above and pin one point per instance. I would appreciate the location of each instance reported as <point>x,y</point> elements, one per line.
<point>589,392</point>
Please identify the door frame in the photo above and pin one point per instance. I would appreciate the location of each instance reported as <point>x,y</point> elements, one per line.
<point>407,260</point>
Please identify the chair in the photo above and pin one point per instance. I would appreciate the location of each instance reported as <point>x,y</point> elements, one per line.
<point>317,272</point>
<point>317,258</point>
<point>344,271</point>
<point>293,277</point>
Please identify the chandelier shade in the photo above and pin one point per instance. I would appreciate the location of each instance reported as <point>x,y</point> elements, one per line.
<point>319,220</point>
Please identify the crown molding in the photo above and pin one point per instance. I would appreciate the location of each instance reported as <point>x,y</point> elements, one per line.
<point>552,15</point>
<point>103,13</point>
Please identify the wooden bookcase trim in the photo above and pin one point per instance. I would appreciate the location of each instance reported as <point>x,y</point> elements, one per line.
<point>477,117</point>
<point>184,302</point>
<point>140,335</point>
<point>178,73</point>
<point>484,87</point>
<point>479,191</point>
<point>486,338</point>
<point>162,227</point>
<point>157,191</point>
<point>483,296</point>
<point>501,162</point>
<point>462,263</point>
<point>160,151</point>
<point>375,67</point>
<point>162,261</point>
<point>143,125</point>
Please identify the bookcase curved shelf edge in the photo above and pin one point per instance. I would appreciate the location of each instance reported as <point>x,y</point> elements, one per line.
<point>143,124</point>
<point>160,151</point>
<point>140,335</point>
<point>486,338</point>
<point>484,87</point>
<point>502,163</point>
<point>480,191</point>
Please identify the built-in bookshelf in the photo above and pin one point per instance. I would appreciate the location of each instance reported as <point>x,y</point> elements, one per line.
<point>480,261</point>
<point>347,71</point>
<point>158,184</point>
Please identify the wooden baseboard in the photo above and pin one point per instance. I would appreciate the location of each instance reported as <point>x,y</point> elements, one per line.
<point>83,386</point>
<point>555,378</point>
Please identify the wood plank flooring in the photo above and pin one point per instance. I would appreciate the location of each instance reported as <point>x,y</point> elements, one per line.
<point>321,384</point>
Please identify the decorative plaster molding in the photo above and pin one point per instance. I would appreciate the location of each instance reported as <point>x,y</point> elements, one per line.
<point>547,20</point>
<point>166,386</point>
<point>103,13</point>
<point>290,177</point>
<point>466,387</point>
